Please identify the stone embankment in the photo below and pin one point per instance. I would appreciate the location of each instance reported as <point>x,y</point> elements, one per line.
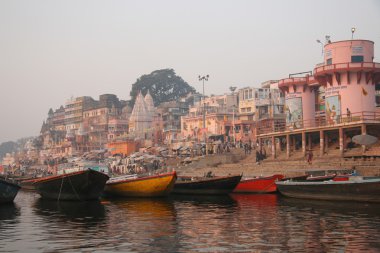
<point>237,162</point>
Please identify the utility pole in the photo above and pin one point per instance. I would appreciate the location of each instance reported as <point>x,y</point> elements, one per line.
<point>232,89</point>
<point>203,79</point>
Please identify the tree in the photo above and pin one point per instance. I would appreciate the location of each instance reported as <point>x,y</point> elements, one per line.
<point>164,85</point>
<point>7,147</point>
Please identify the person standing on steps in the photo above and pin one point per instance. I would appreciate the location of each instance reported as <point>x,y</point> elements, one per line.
<point>310,157</point>
<point>349,115</point>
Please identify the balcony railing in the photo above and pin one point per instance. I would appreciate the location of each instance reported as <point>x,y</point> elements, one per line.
<point>347,66</point>
<point>318,122</point>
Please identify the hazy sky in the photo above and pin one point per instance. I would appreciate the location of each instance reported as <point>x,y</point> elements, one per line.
<point>52,50</point>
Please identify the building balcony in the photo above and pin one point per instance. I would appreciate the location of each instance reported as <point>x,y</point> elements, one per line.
<point>292,81</point>
<point>349,66</point>
<point>324,74</point>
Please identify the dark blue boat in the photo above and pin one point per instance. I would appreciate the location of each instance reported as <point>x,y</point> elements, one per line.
<point>355,188</point>
<point>81,185</point>
<point>8,191</point>
<point>206,185</point>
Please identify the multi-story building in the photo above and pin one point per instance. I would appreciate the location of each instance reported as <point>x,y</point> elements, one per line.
<point>171,113</point>
<point>84,124</point>
<point>211,116</point>
<point>333,103</point>
<point>260,103</point>
<point>257,105</point>
<point>56,119</point>
<point>103,120</point>
<point>74,109</point>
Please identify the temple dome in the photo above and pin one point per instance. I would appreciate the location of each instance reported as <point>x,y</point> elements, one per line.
<point>141,117</point>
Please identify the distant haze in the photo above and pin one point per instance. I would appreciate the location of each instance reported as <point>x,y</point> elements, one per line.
<point>52,50</point>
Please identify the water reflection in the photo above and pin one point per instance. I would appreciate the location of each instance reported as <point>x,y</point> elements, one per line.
<point>146,225</point>
<point>68,225</point>
<point>330,225</point>
<point>221,201</point>
<point>236,223</point>
<point>74,210</point>
<point>339,207</point>
<point>8,212</point>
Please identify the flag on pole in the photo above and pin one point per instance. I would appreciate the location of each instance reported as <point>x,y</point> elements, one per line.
<point>365,93</point>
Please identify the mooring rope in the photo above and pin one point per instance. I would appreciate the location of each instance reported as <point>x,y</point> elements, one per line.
<point>74,189</point>
<point>60,190</point>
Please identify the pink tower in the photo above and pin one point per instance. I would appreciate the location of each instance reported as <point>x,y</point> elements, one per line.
<point>348,75</point>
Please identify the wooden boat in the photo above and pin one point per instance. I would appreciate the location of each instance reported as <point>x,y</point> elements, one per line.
<point>81,185</point>
<point>355,189</point>
<point>295,179</point>
<point>8,191</point>
<point>206,185</point>
<point>258,184</point>
<point>321,178</point>
<point>28,184</point>
<point>141,186</point>
<point>310,178</point>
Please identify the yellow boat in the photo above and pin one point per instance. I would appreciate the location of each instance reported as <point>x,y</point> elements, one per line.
<point>135,186</point>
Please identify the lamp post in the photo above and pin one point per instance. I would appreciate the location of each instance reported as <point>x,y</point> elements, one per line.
<point>203,79</point>
<point>232,89</point>
<point>318,41</point>
<point>353,29</point>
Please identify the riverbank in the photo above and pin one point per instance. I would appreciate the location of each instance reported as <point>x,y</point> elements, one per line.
<point>237,162</point>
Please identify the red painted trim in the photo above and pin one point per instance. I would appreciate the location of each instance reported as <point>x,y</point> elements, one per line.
<point>368,77</point>
<point>59,176</point>
<point>359,77</point>
<point>349,66</point>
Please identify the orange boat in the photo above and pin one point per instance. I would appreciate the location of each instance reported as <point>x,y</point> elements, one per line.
<point>147,186</point>
<point>258,184</point>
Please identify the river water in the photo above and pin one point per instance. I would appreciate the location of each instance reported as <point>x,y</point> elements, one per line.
<point>236,223</point>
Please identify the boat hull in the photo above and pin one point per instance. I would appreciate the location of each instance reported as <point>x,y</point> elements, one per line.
<point>81,186</point>
<point>258,185</point>
<point>352,190</point>
<point>8,191</point>
<point>28,184</point>
<point>208,186</point>
<point>151,186</point>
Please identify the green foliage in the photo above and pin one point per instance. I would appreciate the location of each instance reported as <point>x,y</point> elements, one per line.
<point>164,85</point>
<point>7,147</point>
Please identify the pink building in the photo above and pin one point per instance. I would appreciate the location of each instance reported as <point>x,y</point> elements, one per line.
<point>299,101</point>
<point>347,76</point>
<point>335,102</point>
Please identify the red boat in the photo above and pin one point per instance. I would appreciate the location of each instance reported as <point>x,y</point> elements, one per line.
<point>258,184</point>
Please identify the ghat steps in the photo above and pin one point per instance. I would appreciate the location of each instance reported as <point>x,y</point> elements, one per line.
<point>238,163</point>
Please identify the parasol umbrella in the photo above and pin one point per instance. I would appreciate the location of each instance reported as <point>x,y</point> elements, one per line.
<point>364,139</point>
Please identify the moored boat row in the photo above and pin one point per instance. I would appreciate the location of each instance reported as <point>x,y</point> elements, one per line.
<point>89,184</point>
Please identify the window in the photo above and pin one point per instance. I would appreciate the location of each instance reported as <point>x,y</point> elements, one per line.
<point>329,61</point>
<point>357,58</point>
